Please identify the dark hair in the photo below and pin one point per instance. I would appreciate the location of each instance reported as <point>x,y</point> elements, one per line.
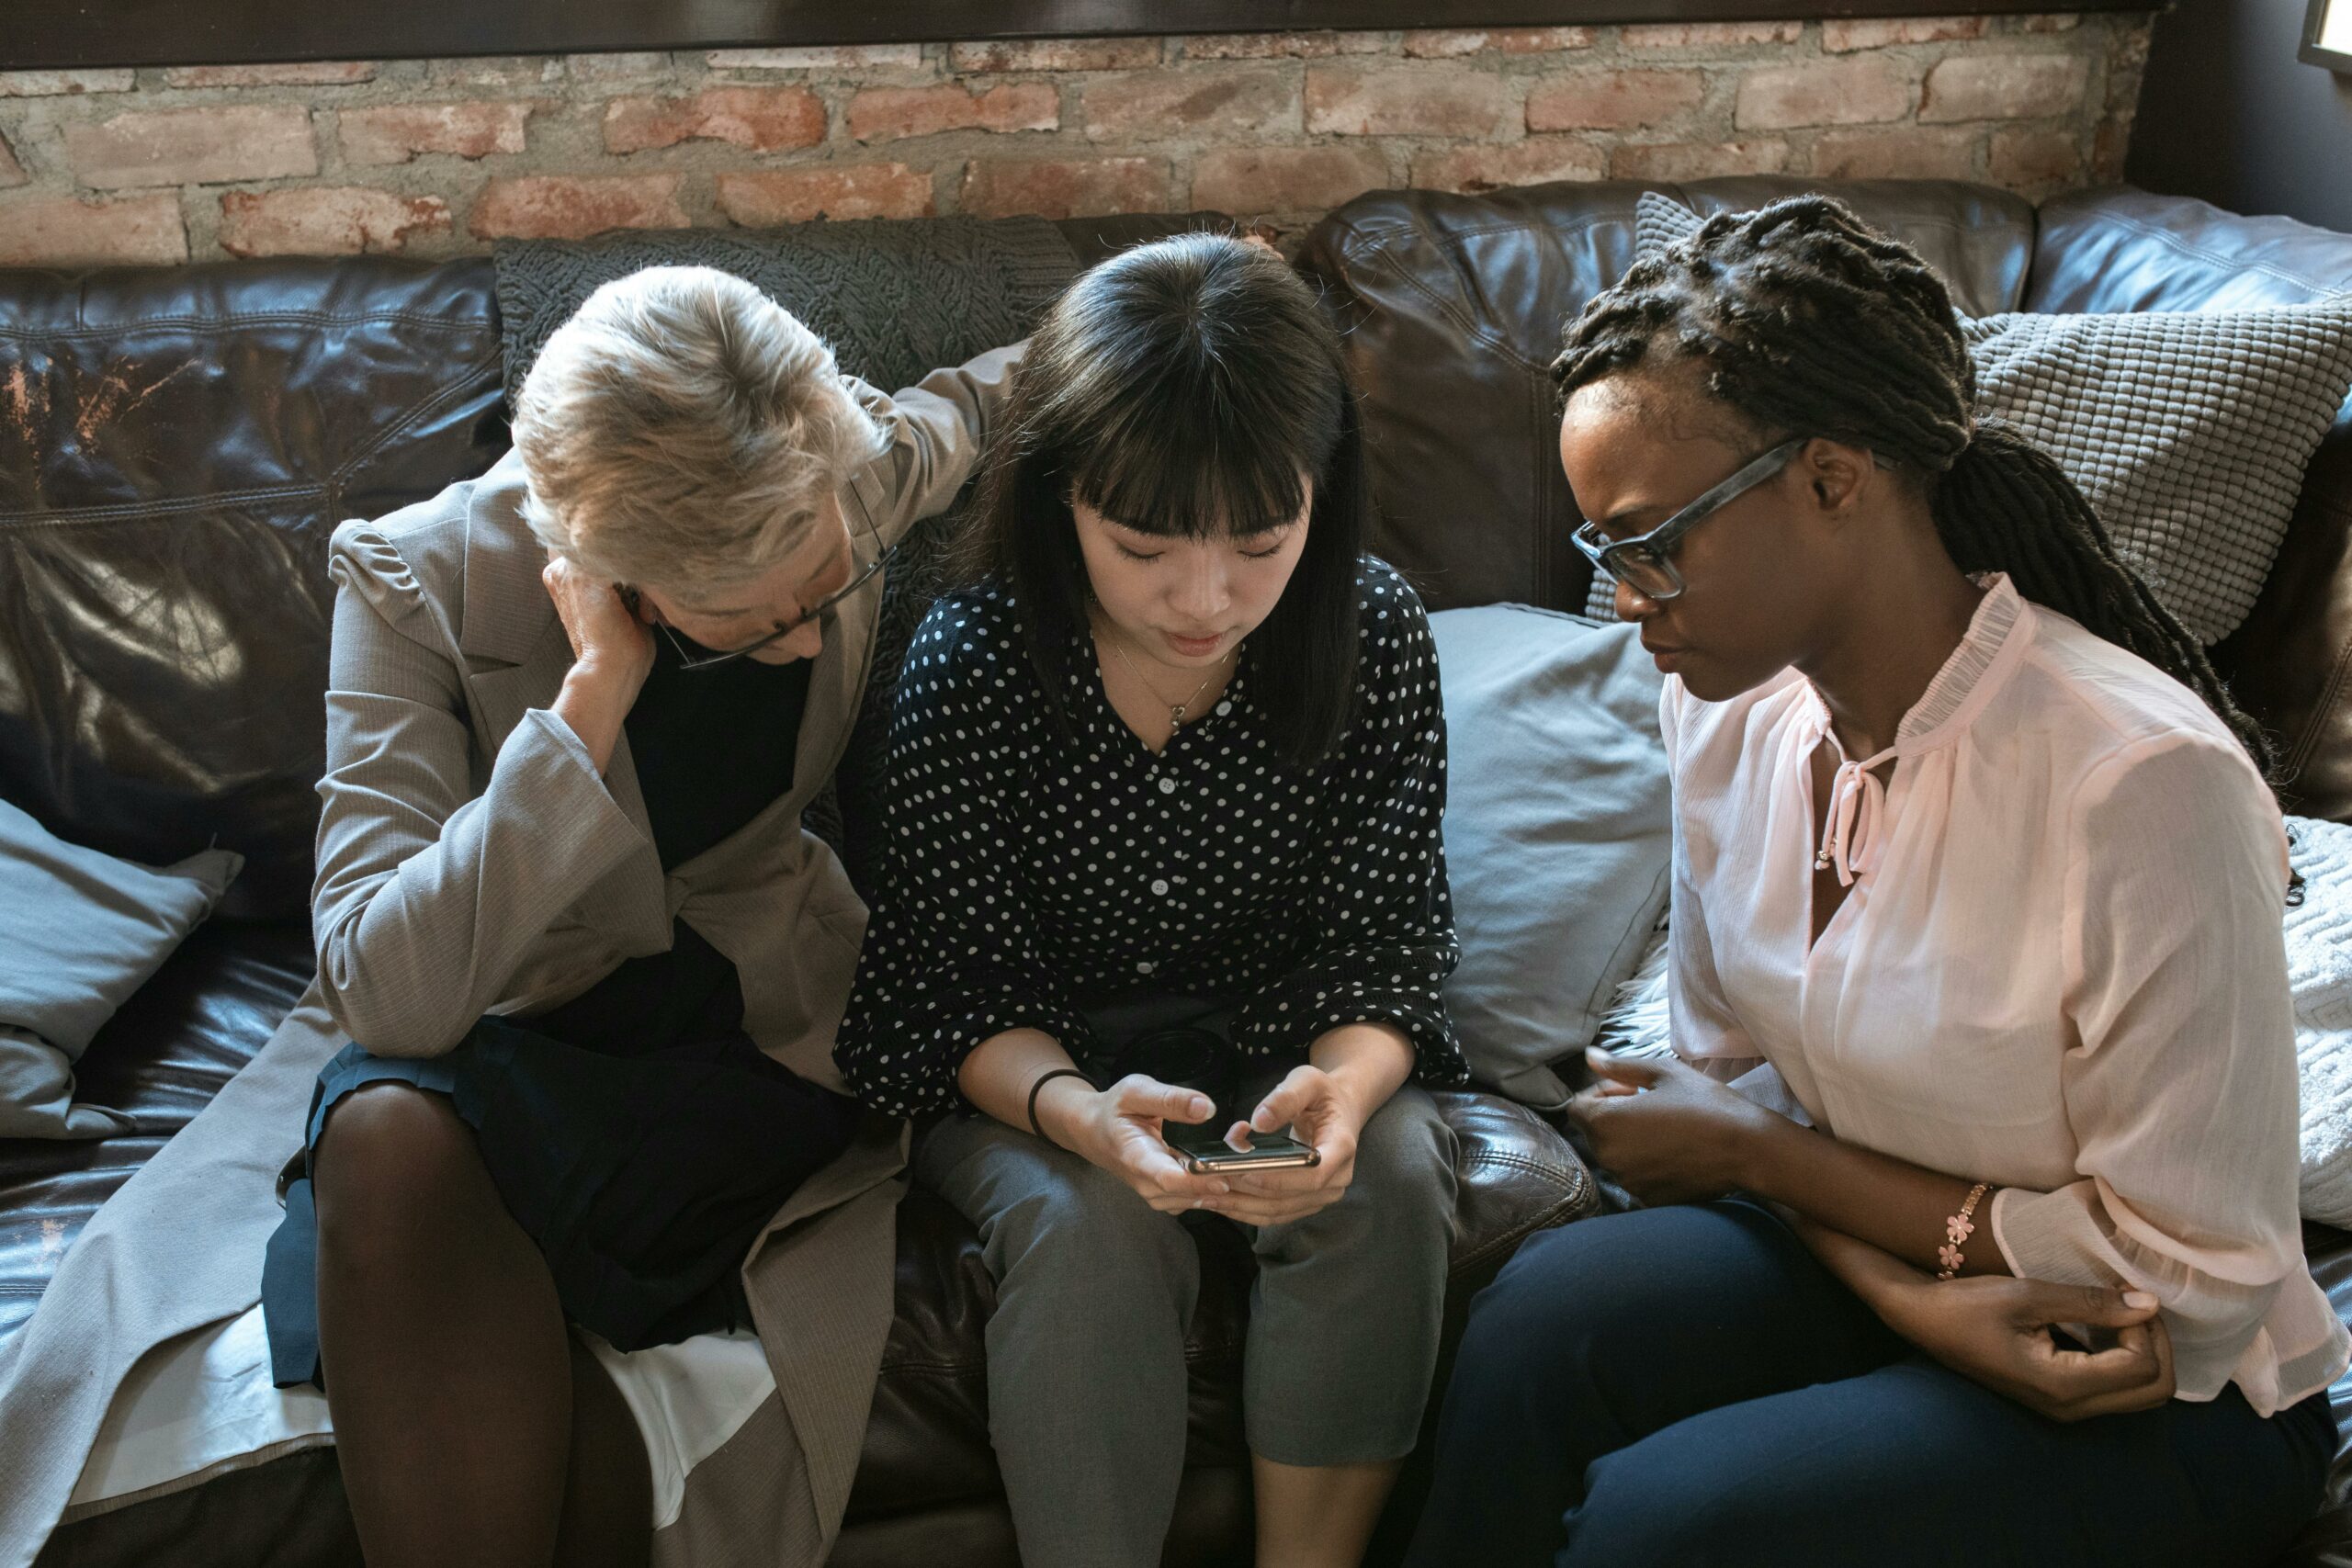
<point>1183,389</point>
<point>1806,321</point>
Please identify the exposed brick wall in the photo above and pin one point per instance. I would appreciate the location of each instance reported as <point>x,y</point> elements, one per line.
<point>434,157</point>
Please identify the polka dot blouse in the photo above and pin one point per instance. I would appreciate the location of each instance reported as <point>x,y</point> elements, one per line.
<point>1029,870</point>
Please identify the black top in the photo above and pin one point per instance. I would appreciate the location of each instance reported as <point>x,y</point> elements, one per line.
<point>713,748</point>
<point>1028,871</point>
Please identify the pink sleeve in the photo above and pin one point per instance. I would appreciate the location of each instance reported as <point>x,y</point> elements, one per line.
<point>2181,1090</point>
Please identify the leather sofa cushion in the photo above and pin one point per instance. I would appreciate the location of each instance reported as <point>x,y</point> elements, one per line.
<point>1454,306</point>
<point>175,445</point>
<point>173,1046</point>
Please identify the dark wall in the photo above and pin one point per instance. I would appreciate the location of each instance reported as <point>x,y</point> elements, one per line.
<point>2229,114</point>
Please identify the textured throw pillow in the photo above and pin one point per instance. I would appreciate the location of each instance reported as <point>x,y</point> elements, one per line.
<point>2189,431</point>
<point>79,931</point>
<point>1556,832</point>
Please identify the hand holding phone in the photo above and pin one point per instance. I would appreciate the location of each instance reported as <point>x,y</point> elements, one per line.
<point>1122,1129</point>
<point>1322,1113</point>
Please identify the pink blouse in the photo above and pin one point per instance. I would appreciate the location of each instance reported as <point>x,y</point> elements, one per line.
<point>2058,968</point>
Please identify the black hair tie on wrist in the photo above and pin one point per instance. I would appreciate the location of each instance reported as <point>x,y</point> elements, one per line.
<point>1043,1079</point>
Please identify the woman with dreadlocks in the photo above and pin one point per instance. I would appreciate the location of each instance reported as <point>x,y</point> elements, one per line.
<point>1976,888</point>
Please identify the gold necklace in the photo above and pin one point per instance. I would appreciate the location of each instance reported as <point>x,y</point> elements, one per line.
<point>1176,711</point>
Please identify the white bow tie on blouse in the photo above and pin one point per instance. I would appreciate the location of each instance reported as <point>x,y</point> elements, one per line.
<point>1850,839</point>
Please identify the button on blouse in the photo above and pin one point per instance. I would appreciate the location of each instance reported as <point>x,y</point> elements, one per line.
<point>1032,870</point>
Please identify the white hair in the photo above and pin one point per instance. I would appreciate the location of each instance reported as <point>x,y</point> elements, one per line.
<point>682,430</point>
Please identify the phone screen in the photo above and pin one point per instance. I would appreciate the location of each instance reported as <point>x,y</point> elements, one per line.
<point>1204,1148</point>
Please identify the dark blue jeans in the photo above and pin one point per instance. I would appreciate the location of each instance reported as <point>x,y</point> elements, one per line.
<point>1687,1388</point>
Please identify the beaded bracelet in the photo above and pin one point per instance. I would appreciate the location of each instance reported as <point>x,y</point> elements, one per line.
<point>1959,1228</point>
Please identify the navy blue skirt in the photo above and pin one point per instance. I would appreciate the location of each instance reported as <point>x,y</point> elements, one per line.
<point>642,1173</point>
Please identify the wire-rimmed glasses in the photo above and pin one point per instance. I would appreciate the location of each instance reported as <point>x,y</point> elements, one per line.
<point>867,564</point>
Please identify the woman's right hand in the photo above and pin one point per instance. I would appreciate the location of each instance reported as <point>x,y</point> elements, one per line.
<point>612,654</point>
<point>606,635</point>
<point>1118,1128</point>
<point>1995,1330</point>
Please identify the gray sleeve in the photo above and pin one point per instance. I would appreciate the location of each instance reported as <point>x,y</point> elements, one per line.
<point>429,897</point>
<point>937,430</point>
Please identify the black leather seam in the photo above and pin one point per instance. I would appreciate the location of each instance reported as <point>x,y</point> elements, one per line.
<point>1445,308</point>
<point>432,401</point>
<point>221,326</point>
<point>120,511</point>
<point>933,1368</point>
<point>438,397</point>
<point>1566,1177</point>
<point>2328,293</point>
<point>2330,693</point>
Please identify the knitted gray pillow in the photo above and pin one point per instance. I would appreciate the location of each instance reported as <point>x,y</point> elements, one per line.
<point>1659,221</point>
<point>2188,430</point>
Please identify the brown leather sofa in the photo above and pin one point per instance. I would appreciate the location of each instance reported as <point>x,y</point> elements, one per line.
<point>162,649</point>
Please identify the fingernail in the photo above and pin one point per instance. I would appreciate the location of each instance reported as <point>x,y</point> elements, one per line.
<point>1595,1054</point>
<point>2138,1300</point>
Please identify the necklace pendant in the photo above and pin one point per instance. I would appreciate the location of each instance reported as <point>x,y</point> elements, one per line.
<point>1176,713</point>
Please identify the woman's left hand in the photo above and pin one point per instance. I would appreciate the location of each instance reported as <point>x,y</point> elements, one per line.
<point>1668,1130</point>
<point>1320,1113</point>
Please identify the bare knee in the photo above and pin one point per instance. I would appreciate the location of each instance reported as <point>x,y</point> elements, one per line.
<point>391,1162</point>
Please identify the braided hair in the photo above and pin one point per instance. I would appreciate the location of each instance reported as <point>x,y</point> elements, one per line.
<point>1801,318</point>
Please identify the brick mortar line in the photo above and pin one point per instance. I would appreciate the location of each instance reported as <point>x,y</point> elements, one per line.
<point>564,137</point>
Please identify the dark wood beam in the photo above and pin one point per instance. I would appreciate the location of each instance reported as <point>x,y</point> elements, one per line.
<point>59,34</point>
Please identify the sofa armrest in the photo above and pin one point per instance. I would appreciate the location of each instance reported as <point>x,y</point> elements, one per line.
<point>1516,1175</point>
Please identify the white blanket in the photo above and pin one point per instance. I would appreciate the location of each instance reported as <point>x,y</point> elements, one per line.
<point>203,1406</point>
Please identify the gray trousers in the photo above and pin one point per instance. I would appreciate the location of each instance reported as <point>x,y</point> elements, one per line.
<point>1087,1390</point>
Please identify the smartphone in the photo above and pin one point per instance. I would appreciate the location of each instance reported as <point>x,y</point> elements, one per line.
<point>1202,1147</point>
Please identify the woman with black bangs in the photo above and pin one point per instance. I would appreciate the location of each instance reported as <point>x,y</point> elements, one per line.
<point>1165,787</point>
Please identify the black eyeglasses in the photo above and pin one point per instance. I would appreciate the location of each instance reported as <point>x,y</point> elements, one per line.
<point>1644,563</point>
<point>870,563</point>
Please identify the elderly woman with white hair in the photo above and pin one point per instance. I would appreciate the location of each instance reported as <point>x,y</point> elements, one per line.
<point>587,962</point>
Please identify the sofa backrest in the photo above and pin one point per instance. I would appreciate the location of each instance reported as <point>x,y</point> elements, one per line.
<point>175,446</point>
<point>1453,305</point>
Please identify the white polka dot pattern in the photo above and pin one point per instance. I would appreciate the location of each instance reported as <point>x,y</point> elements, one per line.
<point>1028,868</point>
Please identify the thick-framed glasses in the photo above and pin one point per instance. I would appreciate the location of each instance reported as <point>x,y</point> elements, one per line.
<point>870,558</point>
<point>1644,563</point>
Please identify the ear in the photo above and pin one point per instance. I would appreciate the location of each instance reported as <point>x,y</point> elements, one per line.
<point>1835,475</point>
